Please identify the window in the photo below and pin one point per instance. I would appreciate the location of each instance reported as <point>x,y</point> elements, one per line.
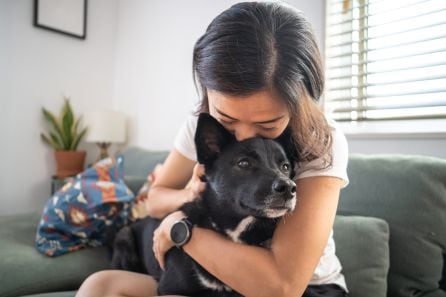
<point>386,61</point>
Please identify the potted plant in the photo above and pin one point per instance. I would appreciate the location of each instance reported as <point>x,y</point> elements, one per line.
<point>64,138</point>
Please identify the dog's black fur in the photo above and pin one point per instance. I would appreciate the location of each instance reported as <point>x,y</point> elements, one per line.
<point>248,183</point>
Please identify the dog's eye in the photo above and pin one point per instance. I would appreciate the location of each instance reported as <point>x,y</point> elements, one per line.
<point>285,167</point>
<point>243,163</point>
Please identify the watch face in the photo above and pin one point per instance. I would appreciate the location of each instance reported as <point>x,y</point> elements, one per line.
<point>179,233</point>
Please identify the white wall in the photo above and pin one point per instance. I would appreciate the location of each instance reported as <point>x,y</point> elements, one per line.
<point>37,67</point>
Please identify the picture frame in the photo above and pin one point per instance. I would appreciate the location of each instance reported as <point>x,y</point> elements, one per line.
<point>68,17</point>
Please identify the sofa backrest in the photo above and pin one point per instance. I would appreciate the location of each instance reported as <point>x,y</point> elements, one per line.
<point>409,192</point>
<point>138,164</point>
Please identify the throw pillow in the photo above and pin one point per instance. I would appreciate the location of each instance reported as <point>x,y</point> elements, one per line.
<point>87,210</point>
<point>362,246</point>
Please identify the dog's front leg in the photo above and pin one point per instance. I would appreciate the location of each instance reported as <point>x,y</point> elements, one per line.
<point>196,212</point>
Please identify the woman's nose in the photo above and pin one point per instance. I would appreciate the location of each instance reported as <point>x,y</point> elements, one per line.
<point>245,133</point>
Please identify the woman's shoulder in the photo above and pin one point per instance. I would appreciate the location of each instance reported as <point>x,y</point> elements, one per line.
<point>339,141</point>
<point>190,122</point>
<point>184,141</point>
<point>338,157</point>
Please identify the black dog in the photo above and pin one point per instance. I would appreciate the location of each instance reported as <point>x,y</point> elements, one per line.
<point>248,189</point>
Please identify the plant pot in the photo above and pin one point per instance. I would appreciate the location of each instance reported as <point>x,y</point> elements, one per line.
<point>69,163</point>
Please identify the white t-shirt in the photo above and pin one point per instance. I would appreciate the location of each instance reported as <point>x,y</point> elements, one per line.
<point>329,268</point>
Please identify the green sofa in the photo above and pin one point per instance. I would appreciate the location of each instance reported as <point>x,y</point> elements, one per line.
<point>390,232</point>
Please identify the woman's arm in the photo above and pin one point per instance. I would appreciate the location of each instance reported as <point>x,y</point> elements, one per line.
<point>168,193</point>
<point>296,248</point>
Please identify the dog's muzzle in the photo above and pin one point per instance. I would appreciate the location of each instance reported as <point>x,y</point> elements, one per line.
<point>284,187</point>
<point>282,198</point>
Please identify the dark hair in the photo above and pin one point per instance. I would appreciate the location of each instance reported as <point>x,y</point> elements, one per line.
<point>257,46</point>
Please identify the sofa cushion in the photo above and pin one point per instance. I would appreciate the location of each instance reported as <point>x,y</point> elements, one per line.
<point>409,192</point>
<point>362,246</point>
<point>26,271</point>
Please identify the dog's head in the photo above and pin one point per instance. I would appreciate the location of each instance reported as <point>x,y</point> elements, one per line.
<point>253,176</point>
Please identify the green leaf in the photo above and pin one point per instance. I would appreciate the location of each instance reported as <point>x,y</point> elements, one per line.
<point>50,142</point>
<point>78,139</point>
<point>54,123</point>
<point>67,123</point>
<point>56,140</point>
<point>45,138</point>
<point>75,127</point>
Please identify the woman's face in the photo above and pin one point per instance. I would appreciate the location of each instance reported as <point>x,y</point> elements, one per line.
<point>260,114</point>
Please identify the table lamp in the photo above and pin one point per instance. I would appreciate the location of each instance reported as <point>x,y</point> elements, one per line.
<point>104,128</point>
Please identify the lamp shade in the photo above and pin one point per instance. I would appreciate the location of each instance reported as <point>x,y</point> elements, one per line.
<point>105,126</point>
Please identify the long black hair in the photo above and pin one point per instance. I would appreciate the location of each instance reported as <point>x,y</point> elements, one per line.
<point>257,46</point>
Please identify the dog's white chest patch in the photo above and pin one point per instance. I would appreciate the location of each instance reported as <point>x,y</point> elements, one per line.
<point>241,227</point>
<point>212,284</point>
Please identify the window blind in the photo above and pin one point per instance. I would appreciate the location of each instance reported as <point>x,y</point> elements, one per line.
<point>385,60</point>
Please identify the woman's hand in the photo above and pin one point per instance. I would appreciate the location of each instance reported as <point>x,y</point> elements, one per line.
<point>195,185</point>
<point>161,237</point>
<point>162,242</point>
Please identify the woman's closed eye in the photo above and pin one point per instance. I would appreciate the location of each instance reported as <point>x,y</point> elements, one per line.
<point>227,122</point>
<point>263,127</point>
<point>267,128</point>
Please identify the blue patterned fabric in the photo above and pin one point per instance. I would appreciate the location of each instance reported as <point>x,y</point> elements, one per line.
<point>87,209</point>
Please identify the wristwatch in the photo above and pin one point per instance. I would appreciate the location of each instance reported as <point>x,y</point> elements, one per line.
<point>181,232</point>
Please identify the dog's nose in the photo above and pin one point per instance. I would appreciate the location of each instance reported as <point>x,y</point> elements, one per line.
<point>282,186</point>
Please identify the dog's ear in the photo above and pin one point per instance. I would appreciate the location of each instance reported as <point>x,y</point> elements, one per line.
<point>210,138</point>
<point>289,146</point>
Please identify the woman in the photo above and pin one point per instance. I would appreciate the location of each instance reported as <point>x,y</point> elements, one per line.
<point>258,69</point>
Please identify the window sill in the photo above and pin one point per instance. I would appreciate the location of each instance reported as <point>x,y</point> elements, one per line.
<point>395,129</point>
